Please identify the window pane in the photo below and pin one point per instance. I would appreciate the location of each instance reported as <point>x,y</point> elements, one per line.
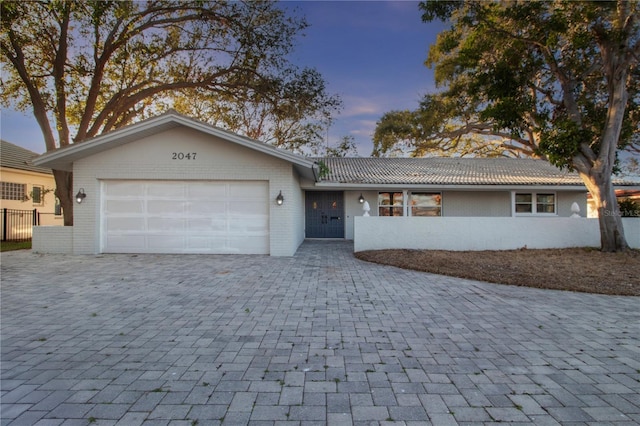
<point>545,203</point>
<point>58,208</point>
<point>524,203</point>
<point>384,199</point>
<point>388,199</point>
<point>390,211</point>
<point>545,198</point>
<point>426,211</point>
<point>426,204</point>
<point>13,191</point>
<point>545,208</point>
<point>37,195</point>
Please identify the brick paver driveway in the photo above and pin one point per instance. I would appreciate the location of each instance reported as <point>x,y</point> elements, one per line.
<point>319,338</point>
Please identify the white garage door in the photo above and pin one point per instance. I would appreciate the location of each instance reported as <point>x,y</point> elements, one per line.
<point>185,217</point>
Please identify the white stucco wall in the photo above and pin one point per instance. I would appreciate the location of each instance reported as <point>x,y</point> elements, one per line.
<point>482,233</point>
<point>216,159</point>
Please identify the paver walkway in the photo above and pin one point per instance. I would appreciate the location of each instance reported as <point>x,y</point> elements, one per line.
<point>319,338</point>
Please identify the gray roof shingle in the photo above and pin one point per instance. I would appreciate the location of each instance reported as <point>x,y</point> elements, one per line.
<point>15,157</point>
<point>446,171</point>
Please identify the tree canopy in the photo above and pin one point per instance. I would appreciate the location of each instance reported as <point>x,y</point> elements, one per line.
<point>290,110</point>
<point>89,67</point>
<point>513,73</point>
<point>555,79</point>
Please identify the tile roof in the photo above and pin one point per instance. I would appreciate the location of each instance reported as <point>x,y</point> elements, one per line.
<point>446,171</point>
<point>15,157</point>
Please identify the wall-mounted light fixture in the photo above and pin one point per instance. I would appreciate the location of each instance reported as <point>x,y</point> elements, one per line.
<point>80,196</point>
<point>279,199</point>
<point>361,198</point>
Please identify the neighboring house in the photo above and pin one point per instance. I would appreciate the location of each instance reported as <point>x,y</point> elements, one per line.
<point>171,184</point>
<point>621,194</point>
<point>25,186</point>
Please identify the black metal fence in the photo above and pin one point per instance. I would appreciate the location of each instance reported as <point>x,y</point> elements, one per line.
<point>17,224</point>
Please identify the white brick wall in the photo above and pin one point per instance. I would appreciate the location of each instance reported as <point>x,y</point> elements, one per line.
<point>216,159</point>
<point>52,239</point>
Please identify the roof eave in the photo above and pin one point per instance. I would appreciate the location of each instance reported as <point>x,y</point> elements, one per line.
<point>457,187</point>
<point>44,171</point>
<point>63,159</point>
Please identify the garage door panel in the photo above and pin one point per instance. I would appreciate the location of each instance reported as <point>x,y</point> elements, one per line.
<point>205,208</point>
<point>244,189</point>
<point>249,226</point>
<point>126,188</point>
<point>257,228</point>
<point>207,192</point>
<point>248,207</point>
<point>167,190</point>
<point>165,207</point>
<point>161,243</point>
<point>200,225</point>
<point>213,210</point>
<point>126,224</point>
<point>218,227</point>
<point>127,206</point>
<point>200,242</point>
<point>185,217</point>
<point>248,243</point>
<point>165,224</point>
<point>126,243</point>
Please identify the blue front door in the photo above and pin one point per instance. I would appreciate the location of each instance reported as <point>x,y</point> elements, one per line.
<point>324,214</point>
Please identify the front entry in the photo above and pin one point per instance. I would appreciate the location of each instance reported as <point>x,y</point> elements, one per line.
<point>324,214</point>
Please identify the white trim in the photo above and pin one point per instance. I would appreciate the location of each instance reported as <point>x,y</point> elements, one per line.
<point>405,202</point>
<point>62,159</point>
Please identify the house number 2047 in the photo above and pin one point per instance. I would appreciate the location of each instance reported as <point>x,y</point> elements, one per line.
<point>183,156</point>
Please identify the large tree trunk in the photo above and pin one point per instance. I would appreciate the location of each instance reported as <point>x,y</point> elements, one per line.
<point>612,237</point>
<point>64,189</point>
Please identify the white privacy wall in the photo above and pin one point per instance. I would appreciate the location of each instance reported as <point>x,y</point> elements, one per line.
<point>482,233</point>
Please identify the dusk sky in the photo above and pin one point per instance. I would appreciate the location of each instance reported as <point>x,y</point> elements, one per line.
<point>370,53</point>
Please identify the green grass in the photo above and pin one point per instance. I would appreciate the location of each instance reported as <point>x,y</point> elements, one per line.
<point>15,245</point>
